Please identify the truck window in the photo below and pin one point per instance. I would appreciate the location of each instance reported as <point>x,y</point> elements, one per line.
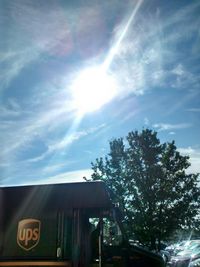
<point>112,234</point>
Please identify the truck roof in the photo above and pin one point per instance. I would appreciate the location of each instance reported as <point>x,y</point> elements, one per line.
<point>59,196</point>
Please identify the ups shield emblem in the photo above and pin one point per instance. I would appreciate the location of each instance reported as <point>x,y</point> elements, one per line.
<point>28,233</point>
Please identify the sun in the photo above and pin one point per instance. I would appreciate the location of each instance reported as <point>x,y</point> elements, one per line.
<point>91,89</point>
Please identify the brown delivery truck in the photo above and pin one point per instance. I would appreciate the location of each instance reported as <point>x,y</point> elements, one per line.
<point>71,225</point>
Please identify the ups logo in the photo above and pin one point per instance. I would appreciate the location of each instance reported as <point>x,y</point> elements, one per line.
<point>28,233</point>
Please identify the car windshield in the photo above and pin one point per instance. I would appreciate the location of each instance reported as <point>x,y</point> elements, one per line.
<point>193,248</point>
<point>194,245</point>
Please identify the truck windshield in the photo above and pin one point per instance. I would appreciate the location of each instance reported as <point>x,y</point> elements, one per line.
<point>111,234</point>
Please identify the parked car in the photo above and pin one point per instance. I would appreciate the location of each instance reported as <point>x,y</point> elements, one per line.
<point>172,250</point>
<point>189,257</point>
<point>188,245</point>
<point>176,247</point>
<point>165,255</point>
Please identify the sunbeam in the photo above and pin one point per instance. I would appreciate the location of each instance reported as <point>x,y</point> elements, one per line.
<point>115,48</point>
<point>94,87</point>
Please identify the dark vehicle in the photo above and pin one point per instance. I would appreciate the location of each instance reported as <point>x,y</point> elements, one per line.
<point>173,249</point>
<point>188,257</point>
<point>166,255</point>
<point>177,246</point>
<point>50,225</point>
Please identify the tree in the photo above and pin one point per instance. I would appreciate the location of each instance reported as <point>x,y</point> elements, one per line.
<point>150,184</point>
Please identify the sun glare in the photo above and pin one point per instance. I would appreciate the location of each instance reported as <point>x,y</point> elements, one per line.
<point>91,89</point>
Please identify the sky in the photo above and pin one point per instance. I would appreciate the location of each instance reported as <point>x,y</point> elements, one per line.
<point>76,74</point>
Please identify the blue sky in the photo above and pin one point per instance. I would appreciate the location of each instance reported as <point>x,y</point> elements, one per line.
<point>75,74</point>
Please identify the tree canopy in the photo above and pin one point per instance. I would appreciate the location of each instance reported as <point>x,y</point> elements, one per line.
<point>150,184</point>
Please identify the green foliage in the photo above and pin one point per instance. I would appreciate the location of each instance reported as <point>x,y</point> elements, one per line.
<point>150,184</point>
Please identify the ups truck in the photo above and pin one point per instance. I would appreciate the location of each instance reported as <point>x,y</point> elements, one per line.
<point>71,225</point>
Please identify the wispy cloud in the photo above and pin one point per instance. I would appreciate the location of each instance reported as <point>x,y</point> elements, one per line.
<point>11,109</point>
<point>36,30</point>
<point>63,177</point>
<point>55,168</point>
<point>169,127</point>
<point>73,176</point>
<point>193,109</point>
<point>65,142</point>
<point>13,64</point>
<point>26,134</point>
<point>148,54</point>
<point>27,129</point>
<point>142,53</point>
<point>178,70</point>
<point>194,154</point>
<point>146,121</point>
